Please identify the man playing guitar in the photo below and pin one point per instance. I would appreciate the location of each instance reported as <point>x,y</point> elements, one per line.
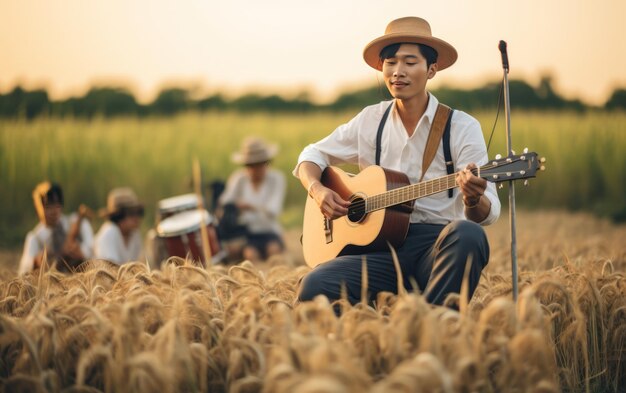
<point>445,235</point>
<point>64,241</point>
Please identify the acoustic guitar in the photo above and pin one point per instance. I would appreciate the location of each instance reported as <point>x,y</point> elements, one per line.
<point>381,202</point>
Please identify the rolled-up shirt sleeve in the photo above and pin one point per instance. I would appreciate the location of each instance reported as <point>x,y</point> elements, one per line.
<point>107,246</point>
<point>233,188</point>
<point>31,249</point>
<point>274,204</point>
<point>87,239</point>
<point>340,147</point>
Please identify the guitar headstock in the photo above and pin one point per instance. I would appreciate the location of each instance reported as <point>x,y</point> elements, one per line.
<point>513,167</point>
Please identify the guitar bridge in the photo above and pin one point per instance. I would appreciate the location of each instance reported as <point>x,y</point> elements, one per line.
<point>328,230</point>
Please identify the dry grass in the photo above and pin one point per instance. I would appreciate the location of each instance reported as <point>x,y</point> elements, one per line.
<point>237,329</point>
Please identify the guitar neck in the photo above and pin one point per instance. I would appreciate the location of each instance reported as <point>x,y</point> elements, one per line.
<point>410,193</point>
<point>513,167</point>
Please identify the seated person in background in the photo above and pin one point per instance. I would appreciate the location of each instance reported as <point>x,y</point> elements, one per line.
<point>67,241</point>
<point>119,239</point>
<point>257,192</point>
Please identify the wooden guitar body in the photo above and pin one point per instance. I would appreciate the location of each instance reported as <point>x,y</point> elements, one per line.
<point>356,232</point>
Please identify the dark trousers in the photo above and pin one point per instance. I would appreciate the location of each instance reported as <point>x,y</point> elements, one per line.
<point>432,256</point>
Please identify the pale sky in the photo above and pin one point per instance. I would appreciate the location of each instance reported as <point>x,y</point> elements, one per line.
<point>292,45</point>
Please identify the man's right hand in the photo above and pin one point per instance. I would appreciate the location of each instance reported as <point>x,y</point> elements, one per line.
<point>38,261</point>
<point>331,204</point>
<point>71,249</point>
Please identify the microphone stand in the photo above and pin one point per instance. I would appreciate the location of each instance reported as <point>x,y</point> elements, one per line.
<point>507,116</point>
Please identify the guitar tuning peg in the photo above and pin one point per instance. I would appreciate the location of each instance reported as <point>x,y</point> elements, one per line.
<point>498,156</point>
<point>542,168</point>
<point>542,159</point>
<point>513,152</point>
<point>501,186</point>
<point>525,150</point>
<point>526,182</point>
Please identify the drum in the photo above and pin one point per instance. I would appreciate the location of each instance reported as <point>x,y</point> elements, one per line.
<point>169,206</point>
<point>183,235</point>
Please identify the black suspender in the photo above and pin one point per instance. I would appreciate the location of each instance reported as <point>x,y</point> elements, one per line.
<point>445,139</point>
<point>446,150</point>
<point>379,134</point>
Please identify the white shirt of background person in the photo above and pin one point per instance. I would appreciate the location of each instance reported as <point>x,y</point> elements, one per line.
<point>40,237</point>
<point>110,244</point>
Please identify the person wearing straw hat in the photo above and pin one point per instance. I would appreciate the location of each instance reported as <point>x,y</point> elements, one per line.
<point>119,240</point>
<point>444,234</point>
<point>257,193</point>
<point>50,236</point>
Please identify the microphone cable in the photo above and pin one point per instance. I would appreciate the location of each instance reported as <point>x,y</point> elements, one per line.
<point>499,106</point>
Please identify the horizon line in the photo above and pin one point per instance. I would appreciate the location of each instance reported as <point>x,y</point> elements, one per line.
<point>198,89</point>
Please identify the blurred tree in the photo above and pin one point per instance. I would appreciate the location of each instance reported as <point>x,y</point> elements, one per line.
<point>482,98</point>
<point>25,104</point>
<point>99,101</point>
<point>549,99</point>
<point>247,102</point>
<point>271,103</point>
<point>360,98</point>
<point>216,101</point>
<point>171,101</point>
<point>521,94</point>
<point>617,100</point>
<point>108,102</point>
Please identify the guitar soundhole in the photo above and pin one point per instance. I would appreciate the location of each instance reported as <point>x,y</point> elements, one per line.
<point>356,210</point>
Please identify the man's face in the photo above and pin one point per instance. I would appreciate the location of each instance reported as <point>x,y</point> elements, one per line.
<point>129,223</point>
<point>257,171</point>
<point>52,213</point>
<point>406,73</point>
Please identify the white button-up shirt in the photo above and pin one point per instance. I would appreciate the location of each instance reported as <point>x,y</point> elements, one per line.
<point>267,200</point>
<point>110,244</point>
<point>355,143</point>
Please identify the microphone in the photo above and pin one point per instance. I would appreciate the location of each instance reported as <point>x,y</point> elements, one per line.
<point>505,57</point>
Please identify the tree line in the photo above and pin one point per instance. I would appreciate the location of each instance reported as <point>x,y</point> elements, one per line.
<point>117,101</point>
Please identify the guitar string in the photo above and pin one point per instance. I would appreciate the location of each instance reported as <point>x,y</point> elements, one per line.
<point>357,207</point>
<point>375,200</point>
<point>424,186</point>
<point>392,194</point>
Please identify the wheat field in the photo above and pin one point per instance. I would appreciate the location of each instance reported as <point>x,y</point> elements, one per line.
<point>238,329</point>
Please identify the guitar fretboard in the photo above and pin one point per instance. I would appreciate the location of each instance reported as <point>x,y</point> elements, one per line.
<point>410,192</point>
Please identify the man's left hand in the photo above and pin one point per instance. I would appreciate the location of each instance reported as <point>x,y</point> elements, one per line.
<point>471,186</point>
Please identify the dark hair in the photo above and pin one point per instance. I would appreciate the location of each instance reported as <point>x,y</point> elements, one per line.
<point>261,163</point>
<point>429,53</point>
<point>124,212</point>
<point>54,194</point>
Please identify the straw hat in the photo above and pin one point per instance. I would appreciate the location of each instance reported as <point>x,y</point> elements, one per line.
<point>409,30</point>
<point>254,151</point>
<point>119,199</point>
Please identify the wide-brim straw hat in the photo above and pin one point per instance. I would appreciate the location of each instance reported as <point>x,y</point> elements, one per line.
<point>254,151</point>
<point>412,30</point>
<point>122,198</point>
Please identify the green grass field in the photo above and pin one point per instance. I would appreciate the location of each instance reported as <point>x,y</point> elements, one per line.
<point>586,167</point>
